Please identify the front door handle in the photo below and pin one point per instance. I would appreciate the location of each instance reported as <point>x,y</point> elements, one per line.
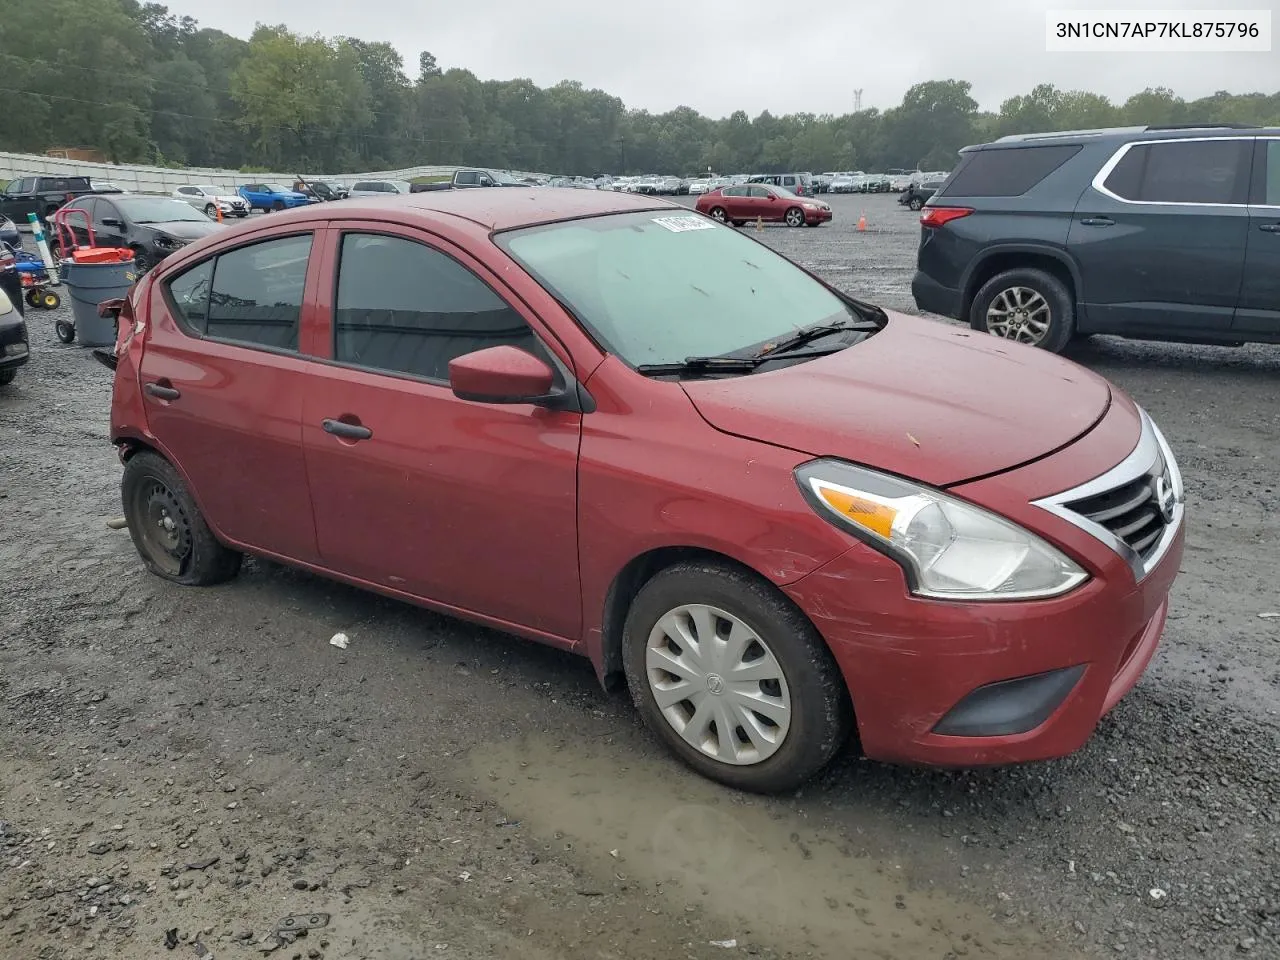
<point>1098,222</point>
<point>348,431</point>
<point>1269,227</point>
<point>162,392</point>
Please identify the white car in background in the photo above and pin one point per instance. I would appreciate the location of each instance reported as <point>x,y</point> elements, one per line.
<point>211,200</point>
<point>699,186</point>
<point>378,188</point>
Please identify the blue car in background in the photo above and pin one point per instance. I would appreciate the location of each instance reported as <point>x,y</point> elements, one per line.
<point>270,196</point>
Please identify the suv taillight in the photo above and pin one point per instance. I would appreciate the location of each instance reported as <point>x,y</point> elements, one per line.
<point>939,216</point>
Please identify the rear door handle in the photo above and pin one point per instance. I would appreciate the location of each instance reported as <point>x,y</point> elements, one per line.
<point>1269,227</point>
<point>1098,222</point>
<point>348,431</point>
<point>162,392</point>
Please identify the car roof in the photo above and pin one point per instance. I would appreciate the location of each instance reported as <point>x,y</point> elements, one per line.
<point>496,209</point>
<point>1124,134</point>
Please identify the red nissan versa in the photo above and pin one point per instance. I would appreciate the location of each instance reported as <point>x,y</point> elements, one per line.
<point>606,423</point>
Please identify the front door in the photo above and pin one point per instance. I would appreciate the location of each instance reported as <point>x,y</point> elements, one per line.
<point>764,203</point>
<point>466,504</point>
<point>222,380</point>
<point>1259,310</point>
<point>1160,241</point>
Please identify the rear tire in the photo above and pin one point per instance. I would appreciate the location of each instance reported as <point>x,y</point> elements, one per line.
<point>1026,304</point>
<point>167,528</point>
<point>808,700</point>
<point>915,204</point>
<point>718,213</point>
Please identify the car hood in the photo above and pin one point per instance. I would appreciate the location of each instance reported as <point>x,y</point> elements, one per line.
<point>923,399</point>
<point>185,229</point>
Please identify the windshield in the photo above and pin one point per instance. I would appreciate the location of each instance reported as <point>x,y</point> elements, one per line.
<point>656,287</point>
<point>157,210</point>
<point>503,177</point>
<point>276,188</point>
<point>208,190</point>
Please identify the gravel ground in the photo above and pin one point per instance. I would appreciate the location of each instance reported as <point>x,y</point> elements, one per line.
<point>196,765</point>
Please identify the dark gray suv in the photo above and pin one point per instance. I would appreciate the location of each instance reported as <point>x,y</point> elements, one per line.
<point>1155,233</point>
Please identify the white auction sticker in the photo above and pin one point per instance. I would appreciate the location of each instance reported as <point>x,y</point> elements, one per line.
<point>683,223</point>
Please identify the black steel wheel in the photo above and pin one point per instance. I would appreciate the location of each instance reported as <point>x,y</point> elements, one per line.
<point>65,331</point>
<point>167,527</point>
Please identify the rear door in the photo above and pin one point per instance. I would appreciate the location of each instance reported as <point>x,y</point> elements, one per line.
<point>223,380</point>
<point>1159,237</point>
<point>1259,309</point>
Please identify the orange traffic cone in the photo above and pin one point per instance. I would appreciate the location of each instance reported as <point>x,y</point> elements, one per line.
<point>217,212</point>
<point>759,223</point>
<point>862,223</point>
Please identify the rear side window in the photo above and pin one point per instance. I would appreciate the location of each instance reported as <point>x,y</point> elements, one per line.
<point>1183,171</point>
<point>256,293</point>
<point>1007,172</point>
<point>189,292</point>
<point>406,308</point>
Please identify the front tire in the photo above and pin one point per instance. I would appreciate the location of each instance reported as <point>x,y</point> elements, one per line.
<point>794,217</point>
<point>211,211</point>
<point>1028,305</point>
<point>167,528</point>
<point>278,205</point>
<point>141,262</point>
<point>733,678</point>
<point>6,376</point>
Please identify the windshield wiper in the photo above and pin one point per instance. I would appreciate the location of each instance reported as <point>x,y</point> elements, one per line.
<point>808,334</point>
<point>701,365</point>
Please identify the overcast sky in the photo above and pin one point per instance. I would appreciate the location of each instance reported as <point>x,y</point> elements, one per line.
<point>721,55</point>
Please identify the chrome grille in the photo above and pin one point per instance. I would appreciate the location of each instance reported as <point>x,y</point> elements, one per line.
<point>1135,508</point>
<point>1130,511</point>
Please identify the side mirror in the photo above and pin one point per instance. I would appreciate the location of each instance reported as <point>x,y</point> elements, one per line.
<point>109,222</point>
<point>503,374</point>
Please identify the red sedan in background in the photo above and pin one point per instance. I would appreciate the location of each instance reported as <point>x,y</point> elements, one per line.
<point>752,201</point>
<point>606,423</point>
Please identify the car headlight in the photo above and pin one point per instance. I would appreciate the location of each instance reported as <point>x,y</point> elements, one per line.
<point>949,549</point>
<point>166,242</point>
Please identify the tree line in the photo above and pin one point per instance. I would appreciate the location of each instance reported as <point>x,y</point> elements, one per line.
<point>142,85</point>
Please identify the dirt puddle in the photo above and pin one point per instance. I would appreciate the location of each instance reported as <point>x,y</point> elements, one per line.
<point>767,875</point>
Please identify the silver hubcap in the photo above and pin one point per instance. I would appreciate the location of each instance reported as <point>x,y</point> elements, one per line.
<point>1019,313</point>
<point>718,684</point>
<point>795,218</point>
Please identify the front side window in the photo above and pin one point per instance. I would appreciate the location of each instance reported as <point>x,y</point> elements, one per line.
<point>255,296</point>
<point>407,308</point>
<point>659,288</point>
<point>1271,181</point>
<point>468,178</point>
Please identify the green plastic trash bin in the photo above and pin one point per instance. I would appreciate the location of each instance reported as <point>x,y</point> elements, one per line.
<point>89,284</point>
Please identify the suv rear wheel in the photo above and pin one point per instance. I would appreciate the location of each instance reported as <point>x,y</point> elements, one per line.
<point>1027,305</point>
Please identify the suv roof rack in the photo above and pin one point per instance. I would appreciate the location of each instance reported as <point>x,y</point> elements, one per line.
<point>1205,126</point>
<point>1111,131</point>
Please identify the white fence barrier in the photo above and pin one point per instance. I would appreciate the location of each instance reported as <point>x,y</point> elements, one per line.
<point>143,179</point>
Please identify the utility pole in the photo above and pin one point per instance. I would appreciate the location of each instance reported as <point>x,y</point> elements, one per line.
<point>622,144</point>
<point>857,101</point>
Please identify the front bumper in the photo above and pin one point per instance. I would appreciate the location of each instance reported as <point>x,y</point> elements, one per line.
<point>971,684</point>
<point>817,216</point>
